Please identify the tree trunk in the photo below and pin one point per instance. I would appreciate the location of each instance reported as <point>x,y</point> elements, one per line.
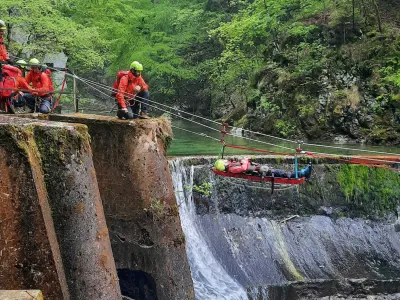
<point>354,17</point>
<point>378,16</point>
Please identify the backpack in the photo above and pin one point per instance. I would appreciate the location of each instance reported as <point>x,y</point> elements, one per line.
<point>116,82</point>
<point>48,73</point>
<point>9,81</point>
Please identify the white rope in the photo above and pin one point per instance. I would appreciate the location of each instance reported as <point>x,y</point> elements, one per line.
<point>254,132</point>
<point>90,83</point>
<point>179,116</point>
<point>266,135</point>
<point>349,149</point>
<point>229,134</point>
<point>200,134</point>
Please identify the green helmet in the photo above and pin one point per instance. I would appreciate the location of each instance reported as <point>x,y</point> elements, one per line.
<point>22,64</point>
<point>3,25</point>
<point>220,165</point>
<point>34,62</point>
<point>136,66</point>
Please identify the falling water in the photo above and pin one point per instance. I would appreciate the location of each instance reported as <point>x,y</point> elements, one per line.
<point>210,279</point>
<point>236,257</point>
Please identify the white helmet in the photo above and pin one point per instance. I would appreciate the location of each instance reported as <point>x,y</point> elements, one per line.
<point>2,25</point>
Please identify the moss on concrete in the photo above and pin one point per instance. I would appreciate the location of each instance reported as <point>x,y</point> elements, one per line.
<point>369,189</point>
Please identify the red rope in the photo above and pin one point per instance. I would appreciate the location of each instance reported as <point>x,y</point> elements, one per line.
<point>351,162</point>
<point>59,96</point>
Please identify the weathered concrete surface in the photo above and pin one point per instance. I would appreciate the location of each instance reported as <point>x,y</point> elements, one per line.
<point>328,289</point>
<point>334,190</point>
<point>29,253</point>
<point>21,295</point>
<point>77,211</point>
<point>139,203</point>
<point>72,203</point>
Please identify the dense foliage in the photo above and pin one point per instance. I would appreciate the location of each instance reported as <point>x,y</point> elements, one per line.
<point>310,68</point>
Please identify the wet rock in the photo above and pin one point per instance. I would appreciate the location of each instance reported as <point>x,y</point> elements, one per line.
<point>341,139</point>
<point>331,289</point>
<point>21,295</point>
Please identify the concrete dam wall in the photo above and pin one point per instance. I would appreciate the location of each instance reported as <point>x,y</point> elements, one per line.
<point>331,238</point>
<point>88,209</point>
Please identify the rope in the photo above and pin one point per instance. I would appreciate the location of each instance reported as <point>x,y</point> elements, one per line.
<point>327,156</point>
<point>203,125</point>
<point>196,133</point>
<point>266,135</point>
<point>257,150</point>
<point>179,116</point>
<point>90,83</point>
<point>349,149</point>
<point>86,81</point>
<point>59,97</point>
<point>333,156</point>
<point>30,91</point>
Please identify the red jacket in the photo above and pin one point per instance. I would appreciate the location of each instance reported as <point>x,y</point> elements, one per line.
<point>41,82</point>
<point>3,51</point>
<point>126,88</point>
<point>12,80</point>
<point>48,72</point>
<point>239,167</point>
<point>22,84</point>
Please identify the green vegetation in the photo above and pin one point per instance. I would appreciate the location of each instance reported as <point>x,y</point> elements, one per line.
<point>204,189</point>
<point>370,189</point>
<point>287,67</point>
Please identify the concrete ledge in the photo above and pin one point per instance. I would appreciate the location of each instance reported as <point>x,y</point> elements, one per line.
<point>21,295</point>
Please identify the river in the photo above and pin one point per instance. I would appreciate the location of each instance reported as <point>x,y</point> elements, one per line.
<point>188,144</point>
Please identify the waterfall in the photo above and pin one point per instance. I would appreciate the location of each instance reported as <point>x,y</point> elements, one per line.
<point>210,279</point>
<point>235,255</point>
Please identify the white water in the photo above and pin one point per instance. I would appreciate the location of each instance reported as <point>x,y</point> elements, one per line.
<point>211,281</point>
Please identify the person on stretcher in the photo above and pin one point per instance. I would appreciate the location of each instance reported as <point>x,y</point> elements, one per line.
<point>247,166</point>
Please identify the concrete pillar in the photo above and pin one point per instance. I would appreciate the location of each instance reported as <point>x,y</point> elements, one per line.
<point>139,202</point>
<point>29,253</point>
<point>51,215</point>
<point>77,211</point>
